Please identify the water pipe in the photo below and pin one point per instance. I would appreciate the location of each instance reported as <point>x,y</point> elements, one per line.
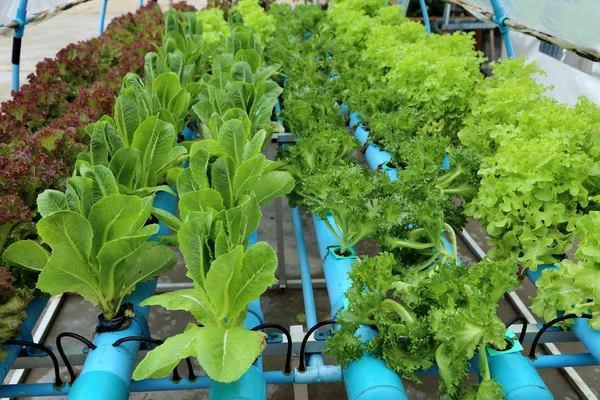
<point>34,310</point>
<point>499,17</point>
<point>375,156</point>
<point>564,360</point>
<point>518,377</point>
<point>425,16</point>
<point>111,367</point>
<point>103,17</point>
<point>21,19</point>
<point>252,385</point>
<point>367,378</point>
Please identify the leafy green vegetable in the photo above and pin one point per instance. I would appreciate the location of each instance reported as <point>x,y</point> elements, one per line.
<point>101,254</point>
<point>444,314</point>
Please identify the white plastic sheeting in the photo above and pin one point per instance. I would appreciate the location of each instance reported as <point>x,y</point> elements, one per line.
<point>572,24</point>
<point>8,8</point>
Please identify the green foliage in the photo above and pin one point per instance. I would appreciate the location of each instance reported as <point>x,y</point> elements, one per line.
<point>12,313</point>
<point>254,17</point>
<point>445,314</point>
<point>573,287</point>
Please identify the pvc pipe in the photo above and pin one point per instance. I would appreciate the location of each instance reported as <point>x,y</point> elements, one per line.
<point>21,18</point>
<point>374,155</point>
<point>518,377</point>
<point>344,108</point>
<point>102,17</point>
<point>499,17</point>
<point>425,16</point>
<point>564,360</point>
<point>307,287</point>
<point>187,133</point>
<point>34,310</point>
<point>367,378</point>
<point>588,336</point>
<point>108,367</point>
<point>355,119</point>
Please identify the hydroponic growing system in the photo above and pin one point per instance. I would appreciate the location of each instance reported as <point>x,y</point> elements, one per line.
<point>162,122</point>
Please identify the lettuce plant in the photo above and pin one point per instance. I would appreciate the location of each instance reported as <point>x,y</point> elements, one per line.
<point>573,286</point>
<point>98,240</point>
<point>445,315</point>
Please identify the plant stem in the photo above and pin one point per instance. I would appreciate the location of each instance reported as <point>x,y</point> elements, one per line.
<point>395,243</point>
<point>394,306</point>
<point>484,368</point>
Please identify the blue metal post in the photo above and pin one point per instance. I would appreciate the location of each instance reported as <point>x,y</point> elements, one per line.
<point>499,17</point>
<point>425,16</point>
<point>367,378</point>
<point>21,18</point>
<point>102,17</point>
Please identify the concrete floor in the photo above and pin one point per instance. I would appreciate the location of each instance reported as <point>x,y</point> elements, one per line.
<point>81,22</point>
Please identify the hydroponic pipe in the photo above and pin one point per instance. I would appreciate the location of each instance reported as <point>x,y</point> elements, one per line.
<point>21,19</point>
<point>564,360</point>
<point>252,385</point>
<point>102,17</point>
<point>111,367</point>
<point>374,155</point>
<point>34,310</point>
<point>307,287</point>
<point>518,377</point>
<point>367,378</point>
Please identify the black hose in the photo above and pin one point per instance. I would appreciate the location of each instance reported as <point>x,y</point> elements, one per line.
<point>523,331</point>
<point>46,350</point>
<point>288,357</point>
<point>176,376</point>
<point>302,366</point>
<point>62,352</point>
<point>548,325</point>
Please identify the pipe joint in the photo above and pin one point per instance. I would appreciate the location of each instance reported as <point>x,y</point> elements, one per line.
<point>318,374</point>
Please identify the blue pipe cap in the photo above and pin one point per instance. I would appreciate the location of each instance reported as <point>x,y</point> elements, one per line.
<point>368,378</point>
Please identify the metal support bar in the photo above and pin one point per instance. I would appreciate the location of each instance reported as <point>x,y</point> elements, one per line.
<point>425,16</point>
<point>21,20</point>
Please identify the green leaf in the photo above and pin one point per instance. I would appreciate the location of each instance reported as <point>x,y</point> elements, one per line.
<point>150,261</point>
<point>68,228</point>
<point>126,167</point>
<point>154,139</point>
<point>200,200</point>
<point>185,300</point>
<point>67,272</point>
<point>242,221</point>
<point>232,140</point>
<point>112,218</point>
<point>251,56</point>
<point>271,185</point>
<point>160,362</point>
<point>223,275</point>
<point>247,175</point>
<point>192,236</point>
<point>258,273</point>
<point>104,183</point>
<point>26,254</point>
<point>254,146</point>
<point>50,201</point>
<point>241,71</point>
<point>127,117</point>
<point>185,182</point>
<point>167,218</point>
<point>111,257</point>
<point>226,354</point>
<point>199,166</point>
<point>80,194</point>
<point>222,175</point>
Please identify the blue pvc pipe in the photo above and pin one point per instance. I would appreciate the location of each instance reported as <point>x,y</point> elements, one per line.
<point>499,17</point>
<point>355,119</point>
<point>187,133</point>
<point>102,17</point>
<point>425,16</point>
<point>588,336</point>
<point>344,108</point>
<point>374,155</point>
<point>34,310</point>
<point>110,368</point>
<point>21,18</point>
<point>564,360</point>
<point>518,377</point>
<point>307,287</point>
<point>367,378</point>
